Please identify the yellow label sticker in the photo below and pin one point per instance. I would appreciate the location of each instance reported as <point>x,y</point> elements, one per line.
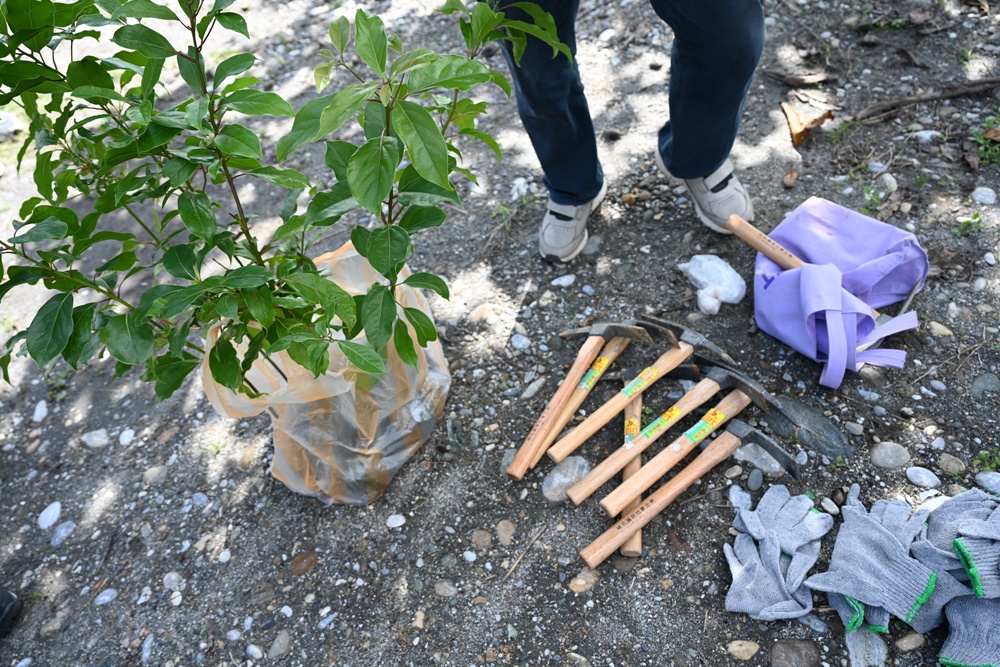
<point>631,427</point>
<point>640,383</point>
<point>714,417</point>
<point>662,423</point>
<point>594,374</point>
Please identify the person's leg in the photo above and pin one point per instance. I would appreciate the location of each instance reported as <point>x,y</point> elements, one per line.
<point>10,607</point>
<point>553,109</point>
<point>717,46</point>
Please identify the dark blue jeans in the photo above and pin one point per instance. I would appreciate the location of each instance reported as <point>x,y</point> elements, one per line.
<point>717,45</point>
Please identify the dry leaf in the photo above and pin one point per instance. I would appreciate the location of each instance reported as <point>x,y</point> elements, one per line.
<point>800,125</point>
<point>629,199</point>
<point>303,563</point>
<point>970,151</point>
<point>993,134</point>
<point>788,180</point>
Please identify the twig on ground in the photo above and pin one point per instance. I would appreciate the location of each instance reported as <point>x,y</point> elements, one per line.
<point>943,94</point>
<point>690,500</point>
<point>524,553</point>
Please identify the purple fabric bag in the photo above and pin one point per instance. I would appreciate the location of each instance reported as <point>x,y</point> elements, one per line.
<point>853,263</point>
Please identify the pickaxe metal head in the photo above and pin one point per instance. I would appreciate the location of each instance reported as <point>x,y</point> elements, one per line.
<point>606,330</point>
<point>689,336</point>
<point>729,378</point>
<point>747,434</point>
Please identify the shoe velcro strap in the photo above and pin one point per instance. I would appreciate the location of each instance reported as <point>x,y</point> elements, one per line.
<point>719,178</point>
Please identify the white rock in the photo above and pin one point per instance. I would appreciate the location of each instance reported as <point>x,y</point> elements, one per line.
<point>395,521</point>
<point>225,556</point>
<point>49,515</point>
<point>520,342</point>
<point>144,596</point>
<point>253,651</point>
<point>469,556</point>
<point>984,195</point>
<point>96,439</point>
<point>927,136</point>
<point>62,533</point>
<point>286,611</point>
<point>607,35</point>
<point>564,281</point>
<point>717,282</point>
<point>126,437</point>
<point>105,596</point>
<point>173,581</point>
<point>41,411</point>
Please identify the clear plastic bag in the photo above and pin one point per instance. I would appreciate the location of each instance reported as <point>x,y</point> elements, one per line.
<point>342,436</point>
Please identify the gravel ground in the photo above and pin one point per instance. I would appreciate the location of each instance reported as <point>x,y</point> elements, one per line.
<point>185,551</point>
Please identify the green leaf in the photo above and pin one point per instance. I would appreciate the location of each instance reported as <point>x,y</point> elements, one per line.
<point>322,75</point>
<point>404,345</point>
<point>247,276</point>
<point>192,70</point>
<point>238,140</point>
<point>422,325</point>
<point>37,16</point>
<point>328,206</point>
<point>178,170</point>
<point>340,33</point>
<point>49,228</point>
<point>338,156</point>
<point>371,172</point>
<point>371,41</point>
<point>318,289</point>
<point>411,60</point>
<point>145,40</point>
<point>228,307</point>
<point>453,6</point>
<point>486,139</point>
<point>374,118</point>
<point>449,71</point>
<point>260,306</point>
<point>225,365</point>
<point>378,313</point>
<point>544,27</point>
<point>362,356</point>
<point>92,93</point>
<point>415,190</point>
<point>129,338</point>
<point>170,372</point>
<point>50,330</point>
<point>234,22</point>
<point>121,262</point>
<point>232,66</point>
<point>342,106</point>
<point>417,218</point>
<point>283,178</point>
<point>258,103</point>
<point>359,239</point>
<point>388,249</point>
<point>304,128</point>
<point>88,72</point>
<point>501,81</point>
<point>180,262</point>
<point>83,342</point>
<point>143,9</point>
<point>424,143</point>
<point>198,215</point>
<point>429,281</point>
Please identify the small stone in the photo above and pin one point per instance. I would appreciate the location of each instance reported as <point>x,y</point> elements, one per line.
<point>830,506</point>
<point>567,472</point>
<point>233,635</point>
<point>922,477</point>
<point>814,623</point>
<point>54,624</point>
<point>418,620</point>
<point>280,646</point>
<point>984,384</point>
<point>96,439</point>
<point>795,653</point>
<point>989,481</point>
<point>879,411</point>
<point>743,650</point>
<point>173,581</point>
<point>225,556</point>
<point>176,598</point>
<point>888,455</point>
<point>105,596</point>
<point>395,521</point>
<point>505,532</point>
<point>254,652</point>
<point>199,499</point>
<point>469,556</point>
<point>951,465</point>
<point>938,443</point>
<point>854,428</point>
<point>910,642</point>
<point>445,589</point>
<point>576,660</point>
<point>733,472</point>
<point>533,388</point>
<point>990,259</point>
<point>41,411</point>
<point>126,437</point>
<point>155,476</point>
<point>482,539</point>
<point>147,648</point>
<point>937,385</point>
<point>519,342</point>
<point>984,195</point>
<point>756,480</point>
<point>145,595</point>
<point>49,515</point>
<point>584,581</point>
<point>939,330</point>
<point>303,563</point>
<point>564,281</point>
<point>506,460</point>
<point>866,649</point>
<point>62,533</point>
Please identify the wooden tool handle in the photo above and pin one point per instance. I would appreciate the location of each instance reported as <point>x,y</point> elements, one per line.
<point>762,243</point>
<point>526,454</point>
<point>662,463</point>
<point>618,459</point>
<point>611,351</point>
<point>633,422</point>
<point>720,450</point>
<point>592,424</point>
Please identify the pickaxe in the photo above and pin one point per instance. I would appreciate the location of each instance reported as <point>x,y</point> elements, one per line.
<point>669,360</point>
<point>716,379</point>
<point>736,434</point>
<point>534,445</point>
<point>632,548</point>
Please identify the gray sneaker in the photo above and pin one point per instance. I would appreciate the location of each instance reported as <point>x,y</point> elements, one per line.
<point>717,196</point>
<point>564,228</point>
